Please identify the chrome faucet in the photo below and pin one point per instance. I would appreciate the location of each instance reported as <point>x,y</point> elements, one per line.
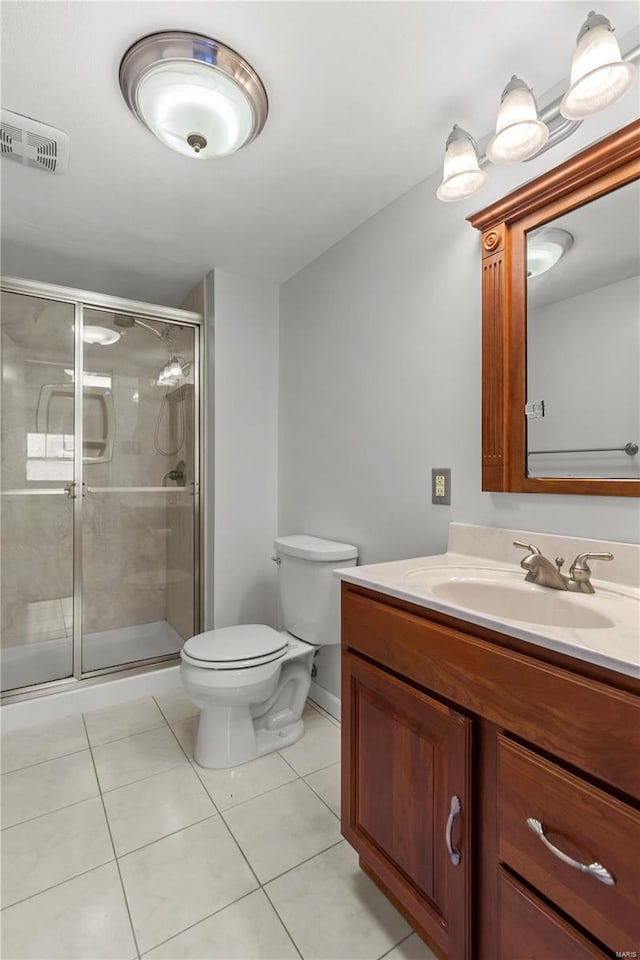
<point>543,572</point>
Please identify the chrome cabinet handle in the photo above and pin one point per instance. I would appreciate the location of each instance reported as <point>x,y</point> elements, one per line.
<point>595,869</point>
<point>456,808</point>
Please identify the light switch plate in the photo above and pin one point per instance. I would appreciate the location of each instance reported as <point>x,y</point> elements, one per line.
<point>441,485</point>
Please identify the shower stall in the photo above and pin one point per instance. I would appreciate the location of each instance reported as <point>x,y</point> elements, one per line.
<point>100,563</point>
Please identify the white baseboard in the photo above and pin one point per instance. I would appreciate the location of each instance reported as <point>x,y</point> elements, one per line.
<point>53,706</point>
<point>328,701</point>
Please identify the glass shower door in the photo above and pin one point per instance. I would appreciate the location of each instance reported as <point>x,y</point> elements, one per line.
<point>38,470</point>
<point>138,509</point>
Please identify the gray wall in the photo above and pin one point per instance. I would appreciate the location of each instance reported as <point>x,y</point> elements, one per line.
<point>245,417</point>
<point>380,381</point>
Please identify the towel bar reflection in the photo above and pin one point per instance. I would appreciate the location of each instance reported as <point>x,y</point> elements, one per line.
<point>630,449</point>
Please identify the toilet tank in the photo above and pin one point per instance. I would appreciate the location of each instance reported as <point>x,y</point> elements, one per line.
<point>309,592</point>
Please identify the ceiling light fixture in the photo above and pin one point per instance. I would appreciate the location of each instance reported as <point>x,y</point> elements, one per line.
<point>599,75</point>
<point>519,134</point>
<point>101,336</point>
<point>195,94</point>
<point>544,248</point>
<point>461,176</point>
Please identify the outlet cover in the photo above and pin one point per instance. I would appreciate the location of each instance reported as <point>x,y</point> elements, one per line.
<point>441,485</point>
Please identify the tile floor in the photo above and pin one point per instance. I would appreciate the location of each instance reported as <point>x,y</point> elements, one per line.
<point>116,845</point>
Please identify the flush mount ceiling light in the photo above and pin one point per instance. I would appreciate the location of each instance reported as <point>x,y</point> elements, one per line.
<point>461,177</point>
<point>100,335</point>
<point>544,248</point>
<point>196,95</point>
<point>599,75</point>
<point>519,134</point>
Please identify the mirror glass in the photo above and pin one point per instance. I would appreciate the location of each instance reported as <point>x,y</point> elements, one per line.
<point>583,341</point>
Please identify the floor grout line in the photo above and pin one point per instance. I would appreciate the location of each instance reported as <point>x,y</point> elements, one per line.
<point>319,853</point>
<point>113,847</point>
<point>60,883</point>
<point>197,922</point>
<point>28,766</point>
<point>395,946</point>
<point>39,816</point>
<point>149,843</point>
<point>127,736</point>
<point>285,927</point>
<point>147,776</point>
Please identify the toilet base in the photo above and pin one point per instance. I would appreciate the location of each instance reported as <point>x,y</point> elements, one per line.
<point>217,749</point>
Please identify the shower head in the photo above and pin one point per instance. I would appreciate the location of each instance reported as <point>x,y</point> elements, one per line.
<point>122,320</point>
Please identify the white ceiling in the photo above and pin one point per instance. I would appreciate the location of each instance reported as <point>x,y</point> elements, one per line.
<point>362,96</point>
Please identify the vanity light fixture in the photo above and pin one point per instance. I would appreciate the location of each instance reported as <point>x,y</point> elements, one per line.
<point>196,95</point>
<point>599,75</point>
<point>544,248</point>
<point>519,134</point>
<point>462,176</point>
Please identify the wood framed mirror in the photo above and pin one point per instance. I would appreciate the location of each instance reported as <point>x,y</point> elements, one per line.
<point>561,346</point>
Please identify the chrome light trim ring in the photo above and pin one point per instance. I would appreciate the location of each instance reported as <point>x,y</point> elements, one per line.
<point>175,45</point>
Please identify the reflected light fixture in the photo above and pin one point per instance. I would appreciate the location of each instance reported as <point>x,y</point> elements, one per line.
<point>196,95</point>
<point>544,248</point>
<point>101,336</point>
<point>461,176</point>
<point>519,134</point>
<point>174,371</point>
<point>599,75</point>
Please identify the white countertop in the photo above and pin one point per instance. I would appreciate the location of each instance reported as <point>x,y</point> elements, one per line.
<point>616,645</point>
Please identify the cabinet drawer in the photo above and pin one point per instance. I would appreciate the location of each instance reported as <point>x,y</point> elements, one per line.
<point>582,822</point>
<point>530,930</point>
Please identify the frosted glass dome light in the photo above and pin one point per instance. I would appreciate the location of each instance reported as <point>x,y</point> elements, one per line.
<point>462,176</point>
<point>544,248</point>
<point>102,336</point>
<point>196,95</point>
<point>599,75</point>
<point>519,134</point>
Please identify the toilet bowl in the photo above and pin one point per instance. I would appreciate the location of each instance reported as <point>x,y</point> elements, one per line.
<point>251,681</point>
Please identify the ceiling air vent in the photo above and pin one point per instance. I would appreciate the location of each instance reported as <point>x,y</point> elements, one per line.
<point>32,143</point>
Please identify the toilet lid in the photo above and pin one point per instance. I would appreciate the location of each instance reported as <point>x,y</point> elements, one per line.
<point>249,642</point>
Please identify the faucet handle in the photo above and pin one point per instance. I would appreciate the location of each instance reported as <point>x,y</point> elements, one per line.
<point>531,547</point>
<point>580,569</point>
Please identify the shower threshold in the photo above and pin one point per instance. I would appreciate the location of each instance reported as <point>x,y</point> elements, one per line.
<point>25,664</point>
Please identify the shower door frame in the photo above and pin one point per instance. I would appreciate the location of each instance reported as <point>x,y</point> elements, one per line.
<point>79,299</point>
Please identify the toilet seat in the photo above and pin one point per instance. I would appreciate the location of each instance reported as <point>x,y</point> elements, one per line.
<point>235,648</point>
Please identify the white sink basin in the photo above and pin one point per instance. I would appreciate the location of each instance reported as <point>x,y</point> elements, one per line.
<point>505,594</point>
<point>544,606</point>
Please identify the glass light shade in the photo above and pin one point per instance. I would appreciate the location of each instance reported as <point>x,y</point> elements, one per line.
<point>196,95</point>
<point>180,100</point>
<point>462,177</point>
<point>175,368</point>
<point>599,76</point>
<point>102,336</point>
<point>519,134</point>
<point>545,248</point>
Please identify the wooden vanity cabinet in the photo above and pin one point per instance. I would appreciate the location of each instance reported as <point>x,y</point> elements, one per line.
<point>434,709</point>
<point>409,760</point>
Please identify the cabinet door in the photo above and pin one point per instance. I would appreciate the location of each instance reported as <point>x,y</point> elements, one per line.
<point>406,757</point>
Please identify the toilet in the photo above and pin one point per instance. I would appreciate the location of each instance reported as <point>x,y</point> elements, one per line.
<point>251,681</point>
